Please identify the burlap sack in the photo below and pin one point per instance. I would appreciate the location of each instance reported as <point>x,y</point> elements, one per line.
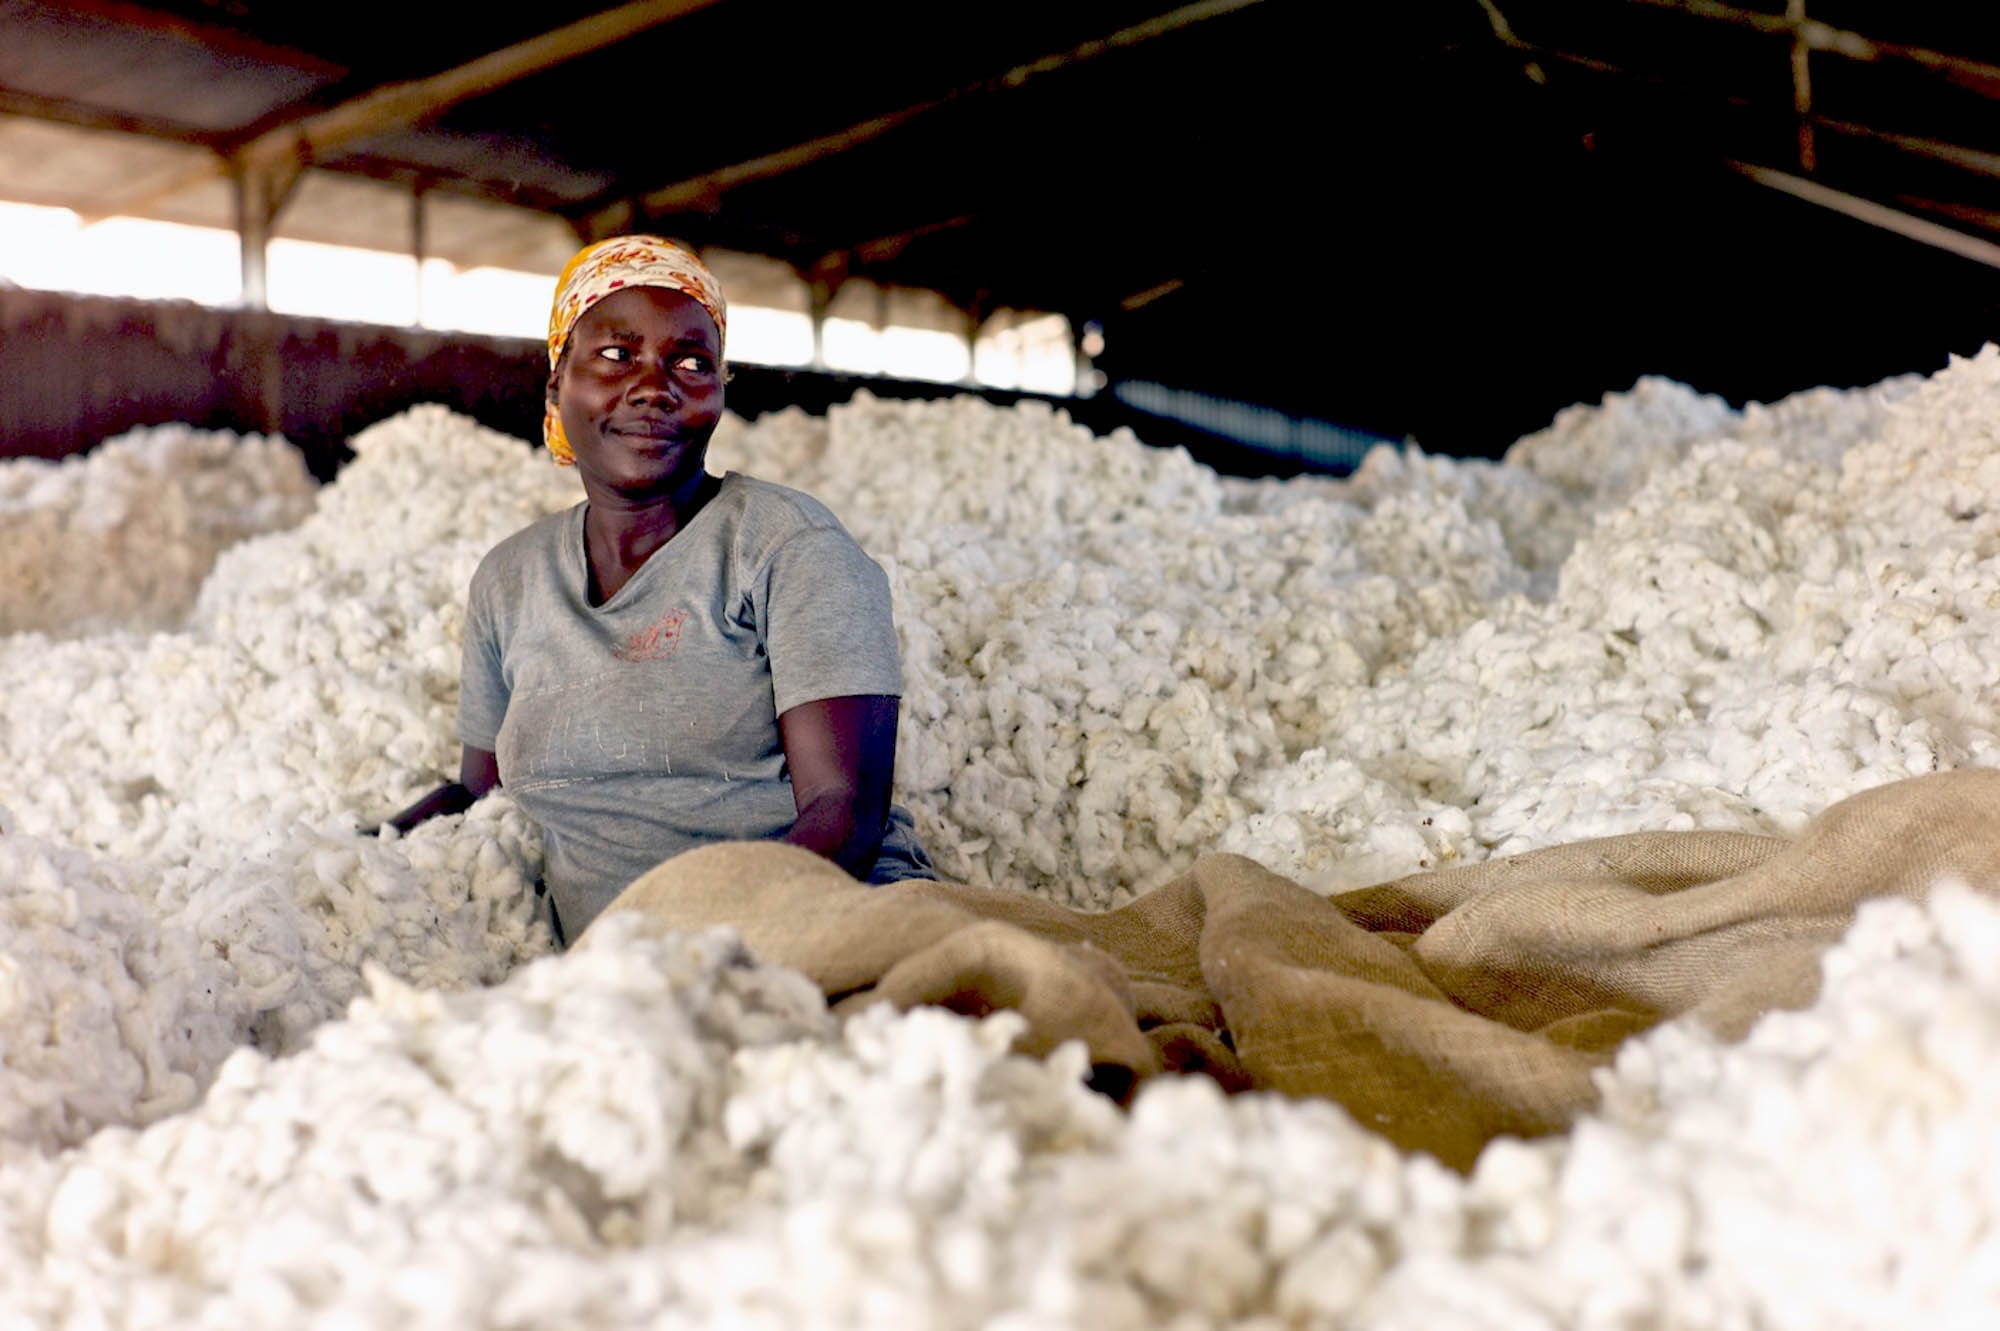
<point>1441,1010</point>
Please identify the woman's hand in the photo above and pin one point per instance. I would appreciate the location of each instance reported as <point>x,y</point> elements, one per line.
<point>842,756</point>
<point>478,773</point>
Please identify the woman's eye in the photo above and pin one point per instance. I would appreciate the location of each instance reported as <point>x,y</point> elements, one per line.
<point>693,364</point>
<point>615,353</point>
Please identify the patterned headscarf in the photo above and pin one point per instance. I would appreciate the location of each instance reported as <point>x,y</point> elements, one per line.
<point>612,265</point>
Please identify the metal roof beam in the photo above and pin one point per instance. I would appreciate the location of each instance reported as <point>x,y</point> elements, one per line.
<point>704,192</point>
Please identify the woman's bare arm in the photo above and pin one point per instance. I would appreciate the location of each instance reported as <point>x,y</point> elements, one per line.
<point>478,773</point>
<point>842,756</point>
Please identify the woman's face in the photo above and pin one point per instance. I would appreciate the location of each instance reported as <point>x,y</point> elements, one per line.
<point>639,390</point>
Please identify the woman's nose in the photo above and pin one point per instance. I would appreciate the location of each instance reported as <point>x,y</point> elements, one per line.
<point>653,378</point>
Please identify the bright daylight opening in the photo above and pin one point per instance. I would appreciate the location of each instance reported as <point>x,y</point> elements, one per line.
<point>54,249</point>
<point>1025,350</point>
<point>892,332</point>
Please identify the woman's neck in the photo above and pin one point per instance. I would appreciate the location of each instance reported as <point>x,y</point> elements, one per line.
<point>620,533</point>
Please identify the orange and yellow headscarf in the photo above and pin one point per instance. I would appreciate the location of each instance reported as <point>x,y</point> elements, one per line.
<point>612,265</point>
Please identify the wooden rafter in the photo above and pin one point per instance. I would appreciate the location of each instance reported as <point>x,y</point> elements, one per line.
<point>1875,214</point>
<point>1795,11</point>
<point>62,112</point>
<point>881,249</point>
<point>1986,219</point>
<point>280,152</point>
<point>211,37</point>
<point>1975,75</point>
<point>1139,300</point>
<point>704,191</point>
<point>266,167</point>
<point>488,188</point>
<point>1975,161</point>
<point>397,106</point>
<point>1536,52</point>
<point>1971,160</point>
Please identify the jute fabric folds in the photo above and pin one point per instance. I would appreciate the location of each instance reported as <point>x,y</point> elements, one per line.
<point>1441,1010</point>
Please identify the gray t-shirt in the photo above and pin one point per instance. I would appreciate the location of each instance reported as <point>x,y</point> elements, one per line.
<point>646,726</point>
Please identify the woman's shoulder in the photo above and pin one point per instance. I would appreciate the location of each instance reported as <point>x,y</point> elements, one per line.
<point>773,502</point>
<point>769,513</point>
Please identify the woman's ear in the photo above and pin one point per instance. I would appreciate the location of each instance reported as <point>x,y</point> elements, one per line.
<point>549,393</point>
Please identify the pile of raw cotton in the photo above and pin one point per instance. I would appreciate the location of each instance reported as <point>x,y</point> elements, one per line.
<point>122,537</point>
<point>258,1068</point>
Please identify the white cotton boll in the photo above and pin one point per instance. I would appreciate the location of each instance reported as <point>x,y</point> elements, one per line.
<point>1332,827</point>
<point>1605,451</point>
<point>123,535</point>
<point>1182,1211</point>
<point>1659,613</point>
<point>781,443</point>
<point>406,1114</point>
<point>1971,928</point>
<point>1822,424</point>
<point>1777,1182</point>
<point>1510,1200</point>
<point>194,766</point>
<point>108,1018</point>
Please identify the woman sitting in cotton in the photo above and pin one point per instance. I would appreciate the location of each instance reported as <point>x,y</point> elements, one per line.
<point>681,658</point>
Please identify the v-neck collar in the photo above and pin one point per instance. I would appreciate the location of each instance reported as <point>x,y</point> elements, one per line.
<point>580,549</point>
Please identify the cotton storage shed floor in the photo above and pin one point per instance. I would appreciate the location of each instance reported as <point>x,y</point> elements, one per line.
<point>259,1070</point>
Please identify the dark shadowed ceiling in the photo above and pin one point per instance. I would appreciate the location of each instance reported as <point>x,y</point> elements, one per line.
<point>1429,217</point>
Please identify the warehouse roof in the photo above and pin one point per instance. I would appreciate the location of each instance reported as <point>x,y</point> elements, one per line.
<point>1380,185</point>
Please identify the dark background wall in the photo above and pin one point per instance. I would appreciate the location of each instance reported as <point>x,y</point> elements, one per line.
<point>76,370</point>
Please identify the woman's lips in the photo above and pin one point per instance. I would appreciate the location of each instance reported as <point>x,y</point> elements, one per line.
<point>647,431</point>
